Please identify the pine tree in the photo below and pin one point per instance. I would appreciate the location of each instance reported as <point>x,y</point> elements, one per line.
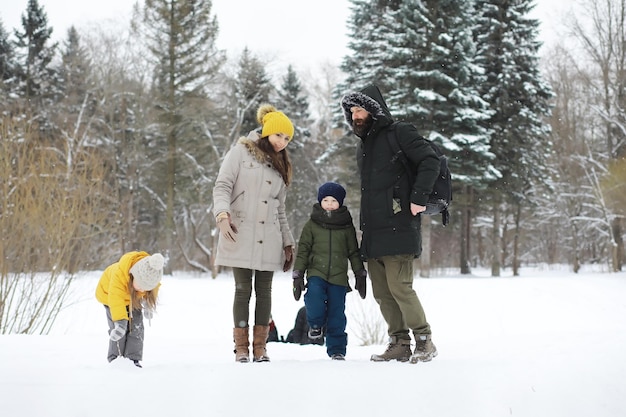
<point>37,78</point>
<point>437,90</point>
<point>75,70</point>
<point>421,54</point>
<point>180,36</point>
<point>433,80</point>
<point>7,68</point>
<point>370,28</point>
<point>508,51</point>
<point>294,102</point>
<point>7,65</point>
<point>302,191</point>
<point>252,87</point>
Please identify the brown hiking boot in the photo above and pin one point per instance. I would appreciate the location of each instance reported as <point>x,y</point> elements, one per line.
<point>425,350</point>
<point>398,349</point>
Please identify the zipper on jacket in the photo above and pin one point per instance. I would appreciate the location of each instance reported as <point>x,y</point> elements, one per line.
<point>330,252</point>
<point>237,197</point>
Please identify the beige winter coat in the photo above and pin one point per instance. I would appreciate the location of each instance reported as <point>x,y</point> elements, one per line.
<point>249,188</point>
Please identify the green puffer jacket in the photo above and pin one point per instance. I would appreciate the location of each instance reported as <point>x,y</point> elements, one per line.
<point>327,242</point>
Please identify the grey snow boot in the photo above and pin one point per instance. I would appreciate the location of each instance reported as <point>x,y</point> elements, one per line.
<point>398,349</point>
<point>425,350</point>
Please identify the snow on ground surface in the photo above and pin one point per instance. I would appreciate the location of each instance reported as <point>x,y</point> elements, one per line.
<point>548,343</point>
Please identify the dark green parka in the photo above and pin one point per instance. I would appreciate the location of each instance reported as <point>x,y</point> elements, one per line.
<point>388,226</point>
<point>327,242</point>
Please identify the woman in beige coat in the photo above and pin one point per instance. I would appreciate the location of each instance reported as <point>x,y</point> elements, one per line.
<point>255,239</point>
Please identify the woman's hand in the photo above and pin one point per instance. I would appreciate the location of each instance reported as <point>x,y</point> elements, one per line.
<point>288,258</point>
<point>226,226</point>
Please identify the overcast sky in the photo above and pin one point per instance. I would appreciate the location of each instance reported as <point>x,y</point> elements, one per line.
<point>303,34</point>
<point>278,29</point>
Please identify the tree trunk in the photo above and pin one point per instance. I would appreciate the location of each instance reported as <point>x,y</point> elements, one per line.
<point>618,246</point>
<point>495,241</point>
<point>215,269</point>
<point>516,263</point>
<point>465,241</point>
<point>575,249</point>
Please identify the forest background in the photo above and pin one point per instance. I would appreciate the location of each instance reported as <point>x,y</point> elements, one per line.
<point>110,140</point>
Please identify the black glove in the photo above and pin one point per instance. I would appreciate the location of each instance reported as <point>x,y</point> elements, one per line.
<point>361,284</point>
<point>298,284</point>
<point>288,258</point>
<point>227,228</point>
<point>119,330</point>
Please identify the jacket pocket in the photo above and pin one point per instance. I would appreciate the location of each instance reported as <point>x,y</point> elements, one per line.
<point>396,202</point>
<point>237,206</point>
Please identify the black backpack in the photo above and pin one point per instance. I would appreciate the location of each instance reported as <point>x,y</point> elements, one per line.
<point>439,200</point>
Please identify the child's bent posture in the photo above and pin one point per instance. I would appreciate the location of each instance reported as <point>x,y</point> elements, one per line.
<point>128,289</point>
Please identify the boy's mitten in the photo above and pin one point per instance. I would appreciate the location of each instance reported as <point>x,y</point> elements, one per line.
<point>361,284</point>
<point>298,283</point>
<point>119,330</point>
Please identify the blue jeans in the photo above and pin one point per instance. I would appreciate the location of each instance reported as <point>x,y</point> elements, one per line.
<point>326,307</point>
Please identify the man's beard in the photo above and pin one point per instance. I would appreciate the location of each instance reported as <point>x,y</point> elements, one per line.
<point>363,127</point>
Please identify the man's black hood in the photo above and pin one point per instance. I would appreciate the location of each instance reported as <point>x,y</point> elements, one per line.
<point>371,99</point>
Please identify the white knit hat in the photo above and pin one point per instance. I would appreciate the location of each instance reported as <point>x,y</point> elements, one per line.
<point>148,271</point>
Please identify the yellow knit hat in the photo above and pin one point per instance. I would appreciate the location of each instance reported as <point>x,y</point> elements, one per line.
<point>273,121</point>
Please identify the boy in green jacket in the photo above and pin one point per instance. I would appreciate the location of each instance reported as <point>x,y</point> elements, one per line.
<point>327,242</point>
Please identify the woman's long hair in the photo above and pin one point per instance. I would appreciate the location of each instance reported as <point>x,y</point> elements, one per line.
<point>280,160</point>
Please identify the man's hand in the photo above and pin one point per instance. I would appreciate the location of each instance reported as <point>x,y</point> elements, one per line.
<point>415,209</point>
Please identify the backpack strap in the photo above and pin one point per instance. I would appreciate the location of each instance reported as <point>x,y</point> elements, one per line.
<point>445,217</point>
<point>398,153</point>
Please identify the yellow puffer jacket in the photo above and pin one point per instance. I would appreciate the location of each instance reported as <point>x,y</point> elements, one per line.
<point>113,289</point>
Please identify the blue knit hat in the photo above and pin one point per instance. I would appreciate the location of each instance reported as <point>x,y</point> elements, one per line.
<point>331,189</point>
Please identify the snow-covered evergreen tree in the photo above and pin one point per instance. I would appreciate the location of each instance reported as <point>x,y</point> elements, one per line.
<point>75,71</point>
<point>508,50</point>
<point>7,56</point>
<point>301,193</point>
<point>371,27</point>
<point>180,36</point>
<point>293,101</point>
<point>519,97</point>
<point>252,87</point>
<point>422,55</point>
<point>436,87</point>
<point>37,77</point>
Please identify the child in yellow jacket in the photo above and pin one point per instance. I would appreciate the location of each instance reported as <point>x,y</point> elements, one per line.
<point>129,289</point>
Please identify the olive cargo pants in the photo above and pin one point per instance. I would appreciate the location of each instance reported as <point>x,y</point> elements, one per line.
<point>392,285</point>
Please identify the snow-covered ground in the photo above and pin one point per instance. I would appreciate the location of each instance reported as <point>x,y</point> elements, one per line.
<point>547,344</point>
